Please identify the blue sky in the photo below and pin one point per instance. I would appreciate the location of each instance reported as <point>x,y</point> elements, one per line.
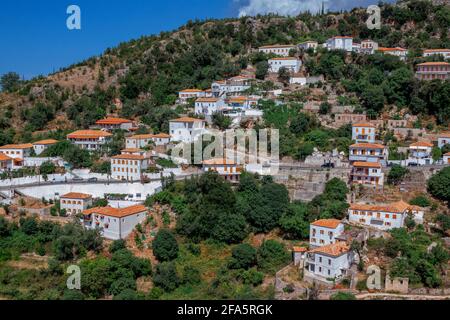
<point>35,39</point>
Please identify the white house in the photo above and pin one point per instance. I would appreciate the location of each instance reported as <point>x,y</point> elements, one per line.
<point>308,45</point>
<point>368,174</point>
<point>228,169</point>
<point>291,64</point>
<point>279,50</point>
<point>234,86</point>
<point>185,95</point>
<point>75,202</point>
<point>398,52</point>
<point>186,129</point>
<point>369,46</point>
<point>329,262</point>
<point>385,216</point>
<point>6,163</point>
<point>142,140</point>
<point>340,43</point>
<point>368,152</point>
<point>111,124</point>
<point>208,106</point>
<point>130,165</point>
<point>323,232</point>
<point>443,139</point>
<point>17,152</point>
<point>241,102</point>
<point>114,223</point>
<point>91,140</point>
<point>421,153</point>
<point>363,132</point>
<point>41,146</point>
<point>431,52</point>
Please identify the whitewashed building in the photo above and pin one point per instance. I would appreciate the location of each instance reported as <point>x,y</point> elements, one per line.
<point>443,139</point>
<point>323,232</point>
<point>91,140</point>
<point>340,43</point>
<point>185,95</point>
<point>18,152</point>
<point>114,223</point>
<point>143,140</point>
<point>41,146</point>
<point>234,86</point>
<point>384,216</point>
<point>368,174</point>
<point>293,65</point>
<point>308,45</point>
<point>111,124</point>
<point>208,106</point>
<point>75,202</point>
<point>330,262</point>
<point>398,52</point>
<point>421,153</point>
<point>6,163</point>
<point>363,132</point>
<point>130,165</point>
<point>368,152</point>
<point>436,52</point>
<point>278,49</point>
<point>369,46</point>
<point>186,129</point>
<point>228,169</point>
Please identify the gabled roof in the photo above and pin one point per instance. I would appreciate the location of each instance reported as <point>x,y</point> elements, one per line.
<point>219,161</point>
<point>367,165</point>
<point>396,207</point>
<point>391,49</point>
<point>45,142</point>
<point>127,156</point>
<point>76,195</point>
<point>434,64</point>
<point>421,144</point>
<point>363,124</point>
<point>187,119</point>
<point>88,134</point>
<point>116,213</point>
<point>113,121</point>
<point>435,50</point>
<point>285,58</point>
<point>299,249</point>
<point>327,223</point>
<point>17,146</point>
<point>4,157</point>
<point>334,250</point>
<point>212,100</point>
<point>368,145</point>
<point>191,91</point>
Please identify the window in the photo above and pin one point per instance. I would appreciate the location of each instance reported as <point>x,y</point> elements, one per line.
<point>320,259</point>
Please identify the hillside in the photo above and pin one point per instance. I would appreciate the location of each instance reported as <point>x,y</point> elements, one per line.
<point>145,74</point>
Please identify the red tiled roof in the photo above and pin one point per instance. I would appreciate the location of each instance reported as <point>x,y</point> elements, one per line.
<point>113,121</point>
<point>116,213</point>
<point>45,142</point>
<point>88,134</point>
<point>335,250</point>
<point>17,146</point>
<point>327,223</point>
<point>76,195</point>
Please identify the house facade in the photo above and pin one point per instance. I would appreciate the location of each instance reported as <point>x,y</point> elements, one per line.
<point>437,52</point>
<point>368,152</point>
<point>75,202</point>
<point>433,70</point>
<point>111,124</point>
<point>6,163</point>
<point>291,64</point>
<point>228,169</point>
<point>208,106</point>
<point>323,232</point>
<point>398,52</point>
<point>308,45</point>
<point>421,153</point>
<point>130,165</point>
<point>185,95</point>
<point>114,223</point>
<point>279,50</point>
<point>369,46</point>
<point>17,152</point>
<point>91,140</point>
<point>186,129</point>
<point>41,146</point>
<point>363,132</point>
<point>340,43</point>
<point>443,139</point>
<point>368,174</point>
<point>341,119</point>
<point>143,140</point>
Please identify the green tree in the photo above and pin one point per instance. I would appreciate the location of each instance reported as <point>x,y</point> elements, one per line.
<point>166,276</point>
<point>396,174</point>
<point>10,82</point>
<point>272,256</point>
<point>243,256</point>
<point>165,246</point>
<point>439,185</point>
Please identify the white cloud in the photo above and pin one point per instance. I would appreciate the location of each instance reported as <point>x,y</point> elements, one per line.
<point>281,7</point>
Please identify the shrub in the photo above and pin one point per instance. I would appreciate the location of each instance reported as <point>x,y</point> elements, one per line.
<point>243,256</point>
<point>165,246</point>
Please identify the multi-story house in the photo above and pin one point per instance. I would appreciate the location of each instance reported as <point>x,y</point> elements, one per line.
<point>114,223</point>
<point>341,119</point>
<point>340,43</point>
<point>130,165</point>
<point>111,124</point>
<point>384,216</point>
<point>91,140</point>
<point>443,139</point>
<point>6,163</point>
<point>231,87</point>
<point>323,232</point>
<point>330,262</point>
<point>41,146</point>
<point>17,152</point>
<point>242,102</point>
<point>278,49</point>
<point>369,46</point>
<point>208,106</point>
<point>75,202</point>
<point>185,95</point>
<point>308,45</point>
<point>368,152</point>
<point>363,132</point>
<point>291,64</point>
<point>143,140</point>
<point>228,169</point>
<point>398,52</point>
<point>186,129</point>
<point>435,52</point>
<point>433,70</point>
<point>421,153</point>
<point>367,174</point>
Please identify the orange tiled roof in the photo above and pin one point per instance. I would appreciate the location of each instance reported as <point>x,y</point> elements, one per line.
<point>76,195</point>
<point>367,164</point>
<point>364,124</point>
<point>447,154</point>
<point>127,156</point>
<point>277,46</point>
<point>335,250</point>
<point>367,145</point>
<point>327,223</point>
<point>434,64</point>
<point>191,90</point>
<point>285,58</point>
<point>421,144</point>
<point>444,135</point>
<point>219,161</point>
<point>187,119</point>
<point>113,121</point>
<point>116,213</point>
<point>88,134</point>
<point>299,249</point>
<point>391,49</point>
<point>17,146</point>
<point>4,157</point>
<point>436,50</point>
<point>397,207</point>
<point>45,142</point>
<point>207,100</point>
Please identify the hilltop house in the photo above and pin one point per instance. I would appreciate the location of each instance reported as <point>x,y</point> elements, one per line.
<point>367,174</point>
<point>368,46</point>
<point>323,232</point>
<point>432,52</point>
<point>279,50</point>
<point>368,152</point>
<point>111,124</point>
<point>142,140</point>
<point>130,165</point>
<point>17,152</point>
<point>291,64</point>
<point>234,86</point>
<point>363,132</point>
<point>186,129</point>
<point>208,106</point>
<point>185,95</point>
<point>398,52</point>
<point>433,70</point>
<point>91,140</point>
<point>340,43</point>
<point>74,202</point>
<point>308,45</point>
<point>114,223</point>
<point>341,119</point>
<point>41,146</point>
<point>421,153</point>
<point>6,163</point>
<point>443,139</point>
<point>385,216</point>
<point>228,169</point>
